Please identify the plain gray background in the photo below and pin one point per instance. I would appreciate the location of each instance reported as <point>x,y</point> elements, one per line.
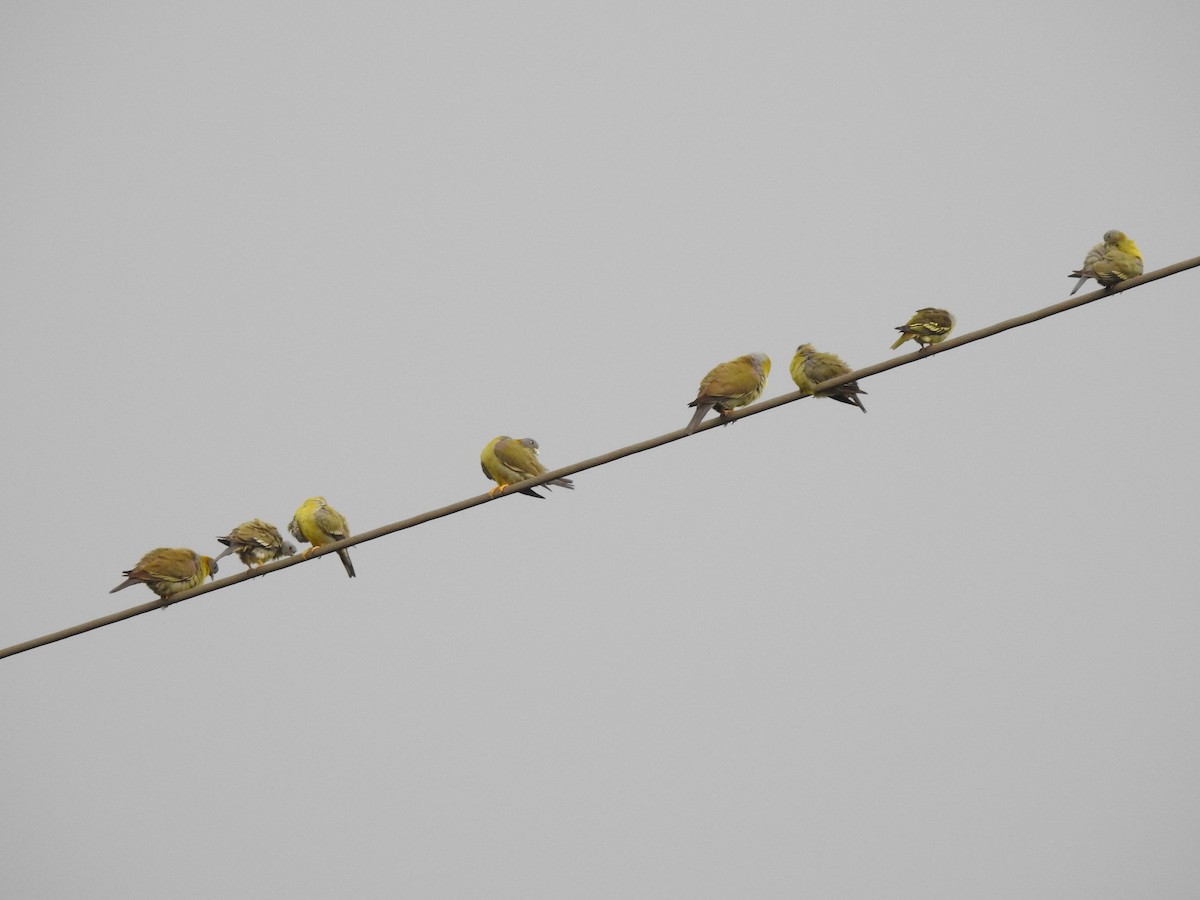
<point>256,251</point>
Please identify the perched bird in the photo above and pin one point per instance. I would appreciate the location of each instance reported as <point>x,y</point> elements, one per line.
<point>508,460</point>
<point>810,368</point>
<point>169,570</point>
<point>928,326</point>
<point>1115,260</point>
<point>318,523</point>
<point>738,382</point>
<point>256,543</point>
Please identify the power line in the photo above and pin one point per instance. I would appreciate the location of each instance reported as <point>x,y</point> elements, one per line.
<point>586,464</point>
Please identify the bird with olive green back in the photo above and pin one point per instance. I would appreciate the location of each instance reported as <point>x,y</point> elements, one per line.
<point>169,570</point>
<point>1117,259</point>
<point>256,543</point>
<point>928,326</point>
<point>508,461</point>
<point>811,368</point>
<point>318,523</point>
<point>738,382</point>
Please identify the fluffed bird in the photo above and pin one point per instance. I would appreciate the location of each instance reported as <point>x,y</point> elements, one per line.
<point>928,326</point>
<point>1115,260</point>
<point>318,523</point>
<point>738,382</point>
<point>256,543</point>
<point>810,368</point>
<point>508,460</point>
<point>169,570</point>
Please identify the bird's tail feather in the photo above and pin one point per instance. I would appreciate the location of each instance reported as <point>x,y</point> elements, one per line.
<point>848,394</point>
<point>701,411</point>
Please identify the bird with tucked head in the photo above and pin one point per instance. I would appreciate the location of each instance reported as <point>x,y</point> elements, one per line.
<point>256,543</point>
<point>508,461</point>
<point>729,385</point>
<point>318,523</point>
<point>811,367</point>
<point>1117,259</point>
<point>929,326</point>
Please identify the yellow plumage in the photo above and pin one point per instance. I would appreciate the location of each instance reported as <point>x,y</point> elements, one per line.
<point>928,326</point>
<point>319,524</point>
<point>256,543</point>
<point>168,571</point>
<point>810,368</point>
<point>738,382</point>
<point>508,461</point>
<point>1117,259</point>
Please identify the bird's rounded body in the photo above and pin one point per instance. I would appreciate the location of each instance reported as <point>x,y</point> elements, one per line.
<point>811,367</point>
<point>1111,262</point>
<point>738,382</point>
<point>256,543</point>
<point>319,524</point>
<point>169,570</point>
<point>508,461</point>
<point>928,326</point>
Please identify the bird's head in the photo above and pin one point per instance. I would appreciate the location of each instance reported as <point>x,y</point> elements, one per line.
<point>760,361</point>
<point>1123,242</point>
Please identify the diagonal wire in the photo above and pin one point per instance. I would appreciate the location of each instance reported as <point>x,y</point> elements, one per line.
<point>651,443</point>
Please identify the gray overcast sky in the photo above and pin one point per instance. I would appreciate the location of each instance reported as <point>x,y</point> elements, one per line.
<point>254,251</point>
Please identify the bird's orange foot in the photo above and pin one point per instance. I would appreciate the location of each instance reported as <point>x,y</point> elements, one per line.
<point>497,490</point>
<point>307,554</point>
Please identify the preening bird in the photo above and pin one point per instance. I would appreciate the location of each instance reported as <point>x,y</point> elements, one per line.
<point>169,570</point>
<point>508,461</point>
<point>810,368</point>
<point>928,326</point>
<point>256,543</point>
<point>738,382</point>
<point>318,523</point>
<point>1115,260</point>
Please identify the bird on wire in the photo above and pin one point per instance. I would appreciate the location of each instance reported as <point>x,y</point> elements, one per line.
<point>928,326</point>
<point>169,570</point>
<point>508,461</point>
<point>318,523</point>
<point>729,385</point>
<point>1113,261</point>
<point>256,543</point>
<point>810,368</point>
